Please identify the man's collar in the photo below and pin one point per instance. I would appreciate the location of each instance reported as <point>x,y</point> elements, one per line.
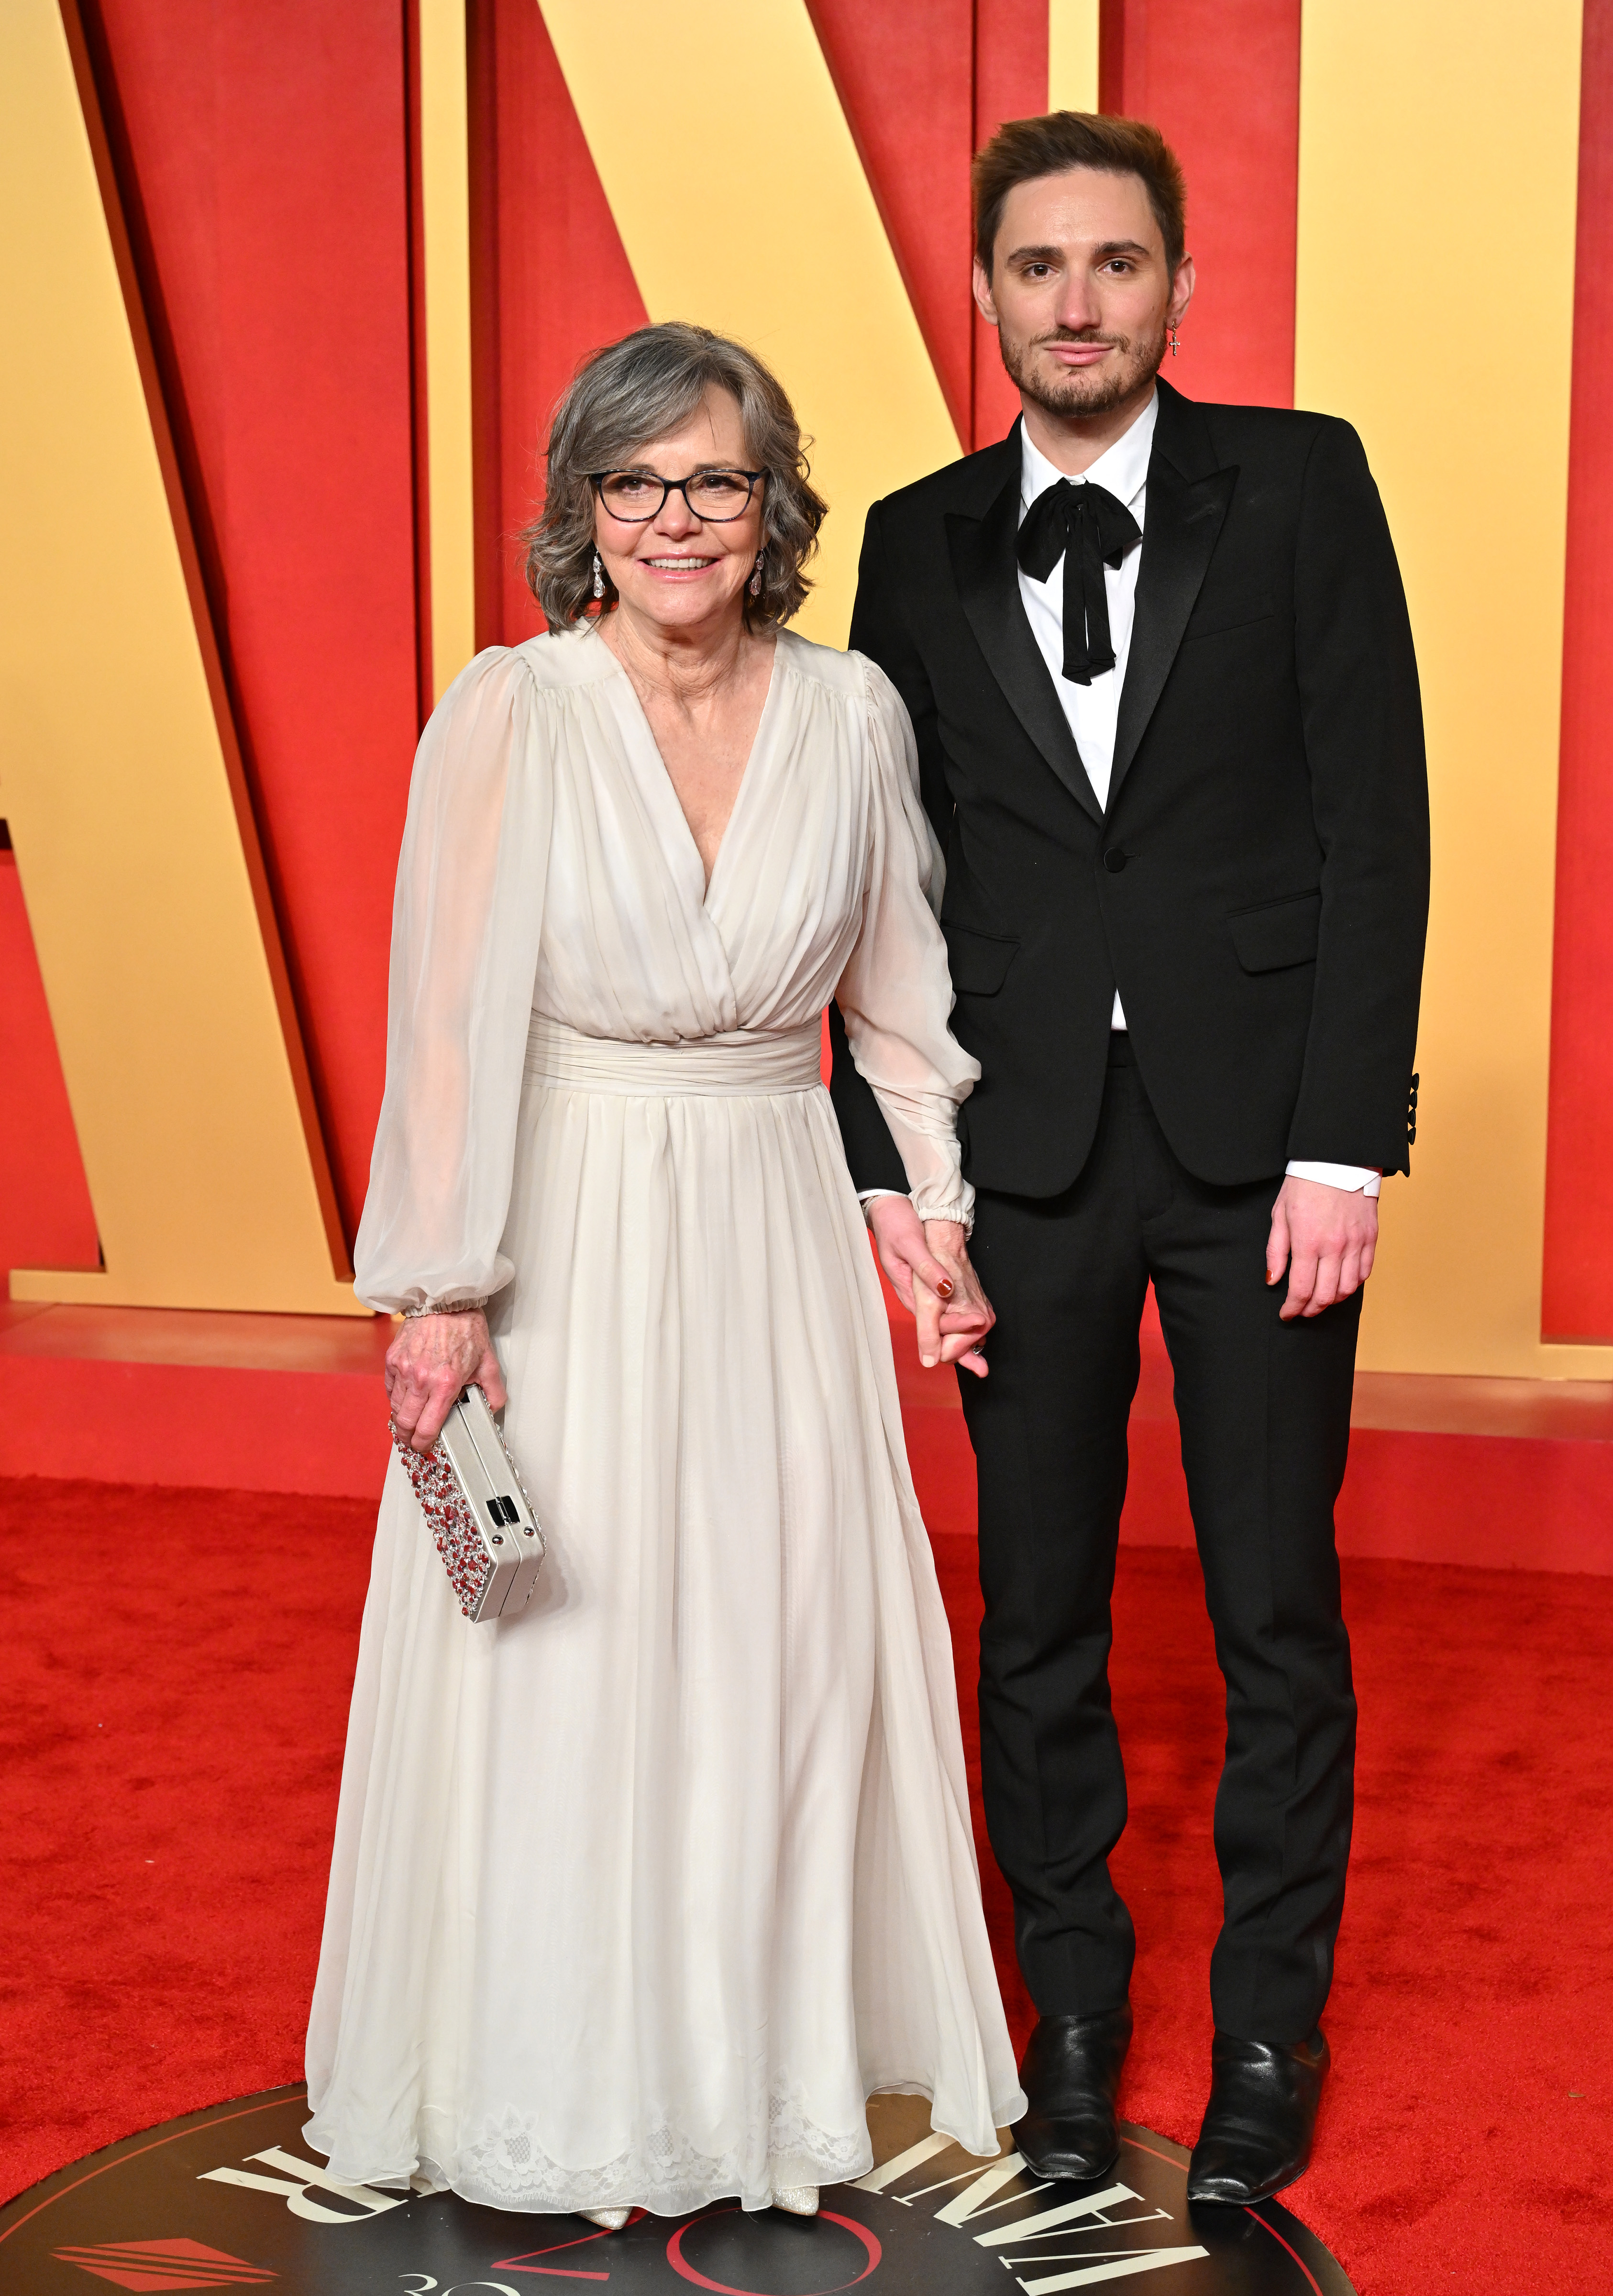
<point>1122,468</point>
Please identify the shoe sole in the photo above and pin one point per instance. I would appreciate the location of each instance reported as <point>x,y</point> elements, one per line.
<point>1242,2201</point>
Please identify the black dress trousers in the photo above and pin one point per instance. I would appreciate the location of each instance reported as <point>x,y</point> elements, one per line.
<point>1265,1408</point>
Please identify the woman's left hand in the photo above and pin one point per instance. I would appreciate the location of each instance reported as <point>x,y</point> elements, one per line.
<point>952,1329</point>
<point>431,1363</point>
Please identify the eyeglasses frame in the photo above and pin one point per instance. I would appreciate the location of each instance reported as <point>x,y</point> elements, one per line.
<point>596,480</point>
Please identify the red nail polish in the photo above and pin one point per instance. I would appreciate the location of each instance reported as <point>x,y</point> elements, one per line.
<point>945,1287</point>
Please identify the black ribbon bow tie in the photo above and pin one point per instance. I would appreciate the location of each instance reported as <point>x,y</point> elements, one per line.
<point>1089,528</point>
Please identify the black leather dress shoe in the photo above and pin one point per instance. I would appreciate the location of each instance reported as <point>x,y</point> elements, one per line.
<point>1260,2119</point>
<point>1071,2075</point>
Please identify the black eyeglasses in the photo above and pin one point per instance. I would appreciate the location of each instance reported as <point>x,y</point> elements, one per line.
<point>636,496</point>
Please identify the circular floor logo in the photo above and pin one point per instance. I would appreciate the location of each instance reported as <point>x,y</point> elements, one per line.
<point>231,2198</point>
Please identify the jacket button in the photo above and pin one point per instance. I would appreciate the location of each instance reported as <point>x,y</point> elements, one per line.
<point>1114,860</point>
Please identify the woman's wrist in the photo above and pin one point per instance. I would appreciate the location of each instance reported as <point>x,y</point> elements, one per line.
<point>953,1224</point>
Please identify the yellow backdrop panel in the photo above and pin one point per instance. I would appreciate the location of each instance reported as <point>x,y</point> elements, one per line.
<point>1437,209</point>
<point>1072,55</point>
<point>113,777</point>
<point>445,231</point>
<point>767,231</point>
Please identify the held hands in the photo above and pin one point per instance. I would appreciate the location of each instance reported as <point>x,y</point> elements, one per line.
<point>432,1359</point>
<point>928,1264</point>
<point>1325,1237</point>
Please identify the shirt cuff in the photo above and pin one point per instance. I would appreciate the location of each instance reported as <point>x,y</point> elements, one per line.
<point>960,1208</point>
<point>1364,1178</point>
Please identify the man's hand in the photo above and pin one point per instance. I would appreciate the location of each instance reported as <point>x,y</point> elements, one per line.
<point>431,1363</point>
<point>928,1267</point>
<point>1325,1237</point>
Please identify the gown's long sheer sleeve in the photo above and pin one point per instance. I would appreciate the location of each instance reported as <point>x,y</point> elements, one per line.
<point>896,993</point>
<point>466,923</point>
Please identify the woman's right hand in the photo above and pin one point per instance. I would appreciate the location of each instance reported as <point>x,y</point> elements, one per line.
<point>431,1363</point>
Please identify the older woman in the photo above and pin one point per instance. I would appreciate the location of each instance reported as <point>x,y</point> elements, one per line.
<point>637,1896</point>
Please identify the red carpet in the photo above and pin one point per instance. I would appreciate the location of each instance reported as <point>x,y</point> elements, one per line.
<point>179,1664</point>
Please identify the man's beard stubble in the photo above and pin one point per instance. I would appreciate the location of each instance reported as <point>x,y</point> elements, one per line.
<point>1080,393</point>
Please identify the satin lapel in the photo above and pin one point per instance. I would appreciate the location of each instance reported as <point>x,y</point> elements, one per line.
<point>1179,534</point>
<point>987,577</point>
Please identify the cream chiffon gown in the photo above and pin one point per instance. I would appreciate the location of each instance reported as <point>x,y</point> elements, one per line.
<point>637,1896</point>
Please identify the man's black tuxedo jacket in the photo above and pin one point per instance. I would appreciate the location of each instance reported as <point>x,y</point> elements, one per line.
<point>1257,887</point>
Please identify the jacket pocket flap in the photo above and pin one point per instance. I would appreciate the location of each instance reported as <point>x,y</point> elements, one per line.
<point>1280,933</point>
<point>1213,616</point>
<point>979,961</point>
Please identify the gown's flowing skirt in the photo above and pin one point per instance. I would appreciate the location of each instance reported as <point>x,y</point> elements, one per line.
<point>637,1896</point>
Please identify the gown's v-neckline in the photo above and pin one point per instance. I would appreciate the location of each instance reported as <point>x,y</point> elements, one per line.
<point>675,805</point>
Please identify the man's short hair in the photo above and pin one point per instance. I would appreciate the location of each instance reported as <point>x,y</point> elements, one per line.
<point>1024,150</point>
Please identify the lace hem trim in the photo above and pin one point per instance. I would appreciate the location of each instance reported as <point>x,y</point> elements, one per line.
<point>503,2166</point>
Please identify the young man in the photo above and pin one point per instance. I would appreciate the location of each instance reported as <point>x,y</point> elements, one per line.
<point>1159,662</point>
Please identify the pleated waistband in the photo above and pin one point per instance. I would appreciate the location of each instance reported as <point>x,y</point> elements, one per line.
<point>787,1061</point>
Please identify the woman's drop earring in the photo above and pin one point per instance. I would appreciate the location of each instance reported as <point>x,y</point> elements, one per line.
<point>756,578</point>
<point>1175,345</point>
<point>599,577</point>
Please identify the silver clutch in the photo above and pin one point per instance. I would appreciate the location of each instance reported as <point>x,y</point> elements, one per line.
<point>477,1511</point>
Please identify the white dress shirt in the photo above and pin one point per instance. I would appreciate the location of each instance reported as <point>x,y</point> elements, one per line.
<point>1093,709</point>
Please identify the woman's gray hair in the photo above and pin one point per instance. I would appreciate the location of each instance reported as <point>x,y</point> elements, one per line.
<point>638,389</point>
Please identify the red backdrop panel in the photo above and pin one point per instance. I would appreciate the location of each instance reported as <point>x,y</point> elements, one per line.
<point>550,282</point>
<point>1578,1275</point>
<point>905,74</point>
<point>45,1219</point>
<point>265,162</point>
<point>1221,79</point>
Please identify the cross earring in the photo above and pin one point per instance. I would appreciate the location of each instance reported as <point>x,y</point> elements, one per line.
<point>756,578</point>
<point>1176,346</point>
<point>599,577</point>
